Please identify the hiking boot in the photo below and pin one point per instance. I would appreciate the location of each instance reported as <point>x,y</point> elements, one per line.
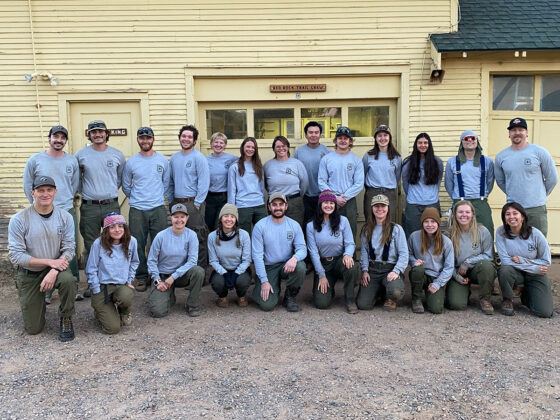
<point>222,302</point>
<point>390,305</point>
<point>126,319</point>
<point>140,285</point>
<point>417,306</point>
<point>290,299</point>
<point>486,306</point>
<point>87,293</point>
<point>507,307</point>
<point>66,329</point>
<point>243,301</point>
<point>518,291</point>
<point>496,291</point>
<point>79,297</point>
<point>194,312</point>
<point>351,307</point>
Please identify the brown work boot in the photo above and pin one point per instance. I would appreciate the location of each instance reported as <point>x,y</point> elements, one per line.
<point>486,306</point>
<point>351,307</point>
<point>126,319</point>
<point>222,302</point>
<point>243,301</point>
<point>390,305</point>
<point>417,306</point>
<point>507,307</point>
<point>517,291</point>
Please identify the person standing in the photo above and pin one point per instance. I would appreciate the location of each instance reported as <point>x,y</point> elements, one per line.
<point>145,181</point>
<point>63,168</point>
<point>219,163</point>
<point>382,168</point>
<point>310,155</point>
<point>470,176</point>
<point>278,250</point>
<point>188,184</point>
<point>288,176</point>
<point>41,243</point>
<point>343,173</point>
<point>526,173</point>
<point>101,168</point>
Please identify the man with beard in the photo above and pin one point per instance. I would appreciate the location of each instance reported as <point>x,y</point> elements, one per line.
<point>101,168</point>
<point>188,184</point>
<point>63,168</point>
<point>278,249</point>
<point>526,173</point>
<point>145,181</point>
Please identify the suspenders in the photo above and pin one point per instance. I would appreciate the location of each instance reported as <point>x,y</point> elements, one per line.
<point>460,178</point>
<point>385,254</point>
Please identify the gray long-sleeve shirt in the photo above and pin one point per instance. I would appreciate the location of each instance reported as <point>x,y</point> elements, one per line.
<point>532,252</point>
<point>398,249</point>
<point>288,177</point>
<point>173,254</point>
<point>470,175</point>
<point>117,268</point>
<point>32,235</point>
<point>64,170</point>
<point>324,244</point>
<point>247,190</point>
<point>438,266</point>
<point>219,167</point>
<point>190,176</point>
<point>527,176</point>
<point>342,174</point>
<point>311,158</point>
<point>101,172</point>
<point>382,172</point>
<point>227,256</point>
<point>421,193</point>
<point>145,181</point>
<point>471,253</point>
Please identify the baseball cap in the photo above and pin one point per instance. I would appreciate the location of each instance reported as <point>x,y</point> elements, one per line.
<point>41,180</point>
<point>179,208</point>
<point>379,199</point>
<point>145,131</point>
<point>343,131</point>
<point>382,127</point>
<point>58,129</point>
<point>276,195</point>
<point>96,125</point>
<point>517,122</point>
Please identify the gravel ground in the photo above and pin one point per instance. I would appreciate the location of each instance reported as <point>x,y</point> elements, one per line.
<point>242,363</point>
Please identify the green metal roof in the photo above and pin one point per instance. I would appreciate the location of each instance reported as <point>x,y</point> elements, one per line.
<point>494,25</point>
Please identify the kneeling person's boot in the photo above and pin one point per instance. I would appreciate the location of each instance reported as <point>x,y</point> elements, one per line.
<point>66,329</point>
<point>290,299</point>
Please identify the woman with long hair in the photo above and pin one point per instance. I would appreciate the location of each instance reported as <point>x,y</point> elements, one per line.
<point>288,176</point>
<point>525,256</point>
<point>246,185</point>
<point>229,251</point>
<point>474,255</point>
<point>383,258</point>
<point>432,262</point>
<point>331,246</point>
<point>421,175</point>
<point>110,269</point>
<point>382,167</point>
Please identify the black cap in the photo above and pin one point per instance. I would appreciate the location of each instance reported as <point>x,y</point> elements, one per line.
<point>58,129</point>
<point>343,131</point>
<point>41,180</point>
<point>517,122</point>
<point>96,125</point>
<point>145,131</point>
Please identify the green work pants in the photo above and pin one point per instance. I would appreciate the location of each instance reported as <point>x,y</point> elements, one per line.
<point>249,216</point>
<point>419,282</point>
<point>350,211</point>
<point>310,208</point>
<point>537,217</point>
<point>483,213</point>
<point>214,203</point>
<point>144,223</point>
<point>391,195</point>
<point>296,210</point>
<point>536,295</point>
<point>335,270</point>
<point>242,283</point>
<point>197,224</point>
<point>412,216</point>
<point>109,313</point>
<point>32,300</point>
<point>379,286</point>
<point>161,302</point>
<point>457,294</point>
<point>275,274</point>
<point>91,221</point>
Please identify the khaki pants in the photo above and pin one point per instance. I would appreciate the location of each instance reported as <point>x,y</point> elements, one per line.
<point>119,303</point>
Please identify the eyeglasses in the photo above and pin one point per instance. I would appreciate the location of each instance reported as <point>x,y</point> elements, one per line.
<point>469,138</point>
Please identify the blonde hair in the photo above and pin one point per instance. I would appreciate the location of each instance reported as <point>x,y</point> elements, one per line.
<point>218,136</point>
<point>455,230</point>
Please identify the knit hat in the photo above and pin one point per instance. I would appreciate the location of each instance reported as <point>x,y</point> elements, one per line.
<point>113,219</point>
<point>477,153</point>
<point>379,199</point>
<point>430,213</point>
<point>228,209</point>
<point>327,195</point>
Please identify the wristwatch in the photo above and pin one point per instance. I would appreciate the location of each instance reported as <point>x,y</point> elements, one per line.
<point>157,282</point>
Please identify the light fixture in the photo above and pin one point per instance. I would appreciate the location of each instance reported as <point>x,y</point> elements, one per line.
<point>465,55</point>
<point>42,74</point>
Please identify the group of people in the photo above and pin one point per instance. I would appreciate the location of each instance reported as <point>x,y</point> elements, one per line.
<point>220,216</point>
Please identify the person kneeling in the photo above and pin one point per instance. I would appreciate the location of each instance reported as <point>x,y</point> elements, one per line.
<point>111,266</point>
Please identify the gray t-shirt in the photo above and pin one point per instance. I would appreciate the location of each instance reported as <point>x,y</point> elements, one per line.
<point>311,158</point>
<point>145,181</point>
<point>101,172</point>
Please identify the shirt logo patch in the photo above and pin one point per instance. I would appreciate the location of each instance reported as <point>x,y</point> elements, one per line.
<point>187,248</point>
<point>527,162</point>
<point>475,246</point>
<point>160,168</point>
<point>227,164</point>
<point>349,167</point>
<point>59,230</point>
<point>289,171</point>
<point>289,235</point>
<point>336,234</point>
<point>69,170</point>
<point>188,164</point>
<point>531,247</point>
<point>110,164</point>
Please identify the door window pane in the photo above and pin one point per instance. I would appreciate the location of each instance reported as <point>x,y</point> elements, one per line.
<point>512,93</point>
<point>270,123</point>
<point>231,122</point>
<point>329,118</point>
<point>362,120</point>
<point>550,93</point>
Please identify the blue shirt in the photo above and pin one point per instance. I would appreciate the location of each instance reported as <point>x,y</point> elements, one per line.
<point>342,174</point>
<point>247,190</point>
<point>146,180</point>
<point>382,172</point>
<point>421,193</point>
<point>470,175</point>
<point>311,158</point>
<point>398,249</point>
<point>288,177</point>
<point>173,254</point>
<point>219,167</point>
<point>190,176</point>
<point>227,256</point>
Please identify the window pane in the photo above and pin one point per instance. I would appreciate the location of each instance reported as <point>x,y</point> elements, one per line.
<point>512,93</point>
<point>363,120</point>
<point>270,123</point>
<point>329,118</point>
<point>231,122</point>
<point>550,93</point>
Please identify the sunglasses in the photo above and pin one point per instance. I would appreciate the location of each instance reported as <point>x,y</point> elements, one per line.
<point>469,138</point>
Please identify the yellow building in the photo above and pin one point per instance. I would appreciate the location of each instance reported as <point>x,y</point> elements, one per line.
<point>261,68</point>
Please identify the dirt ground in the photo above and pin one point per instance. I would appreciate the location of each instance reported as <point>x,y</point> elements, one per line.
<point>242,363</point>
